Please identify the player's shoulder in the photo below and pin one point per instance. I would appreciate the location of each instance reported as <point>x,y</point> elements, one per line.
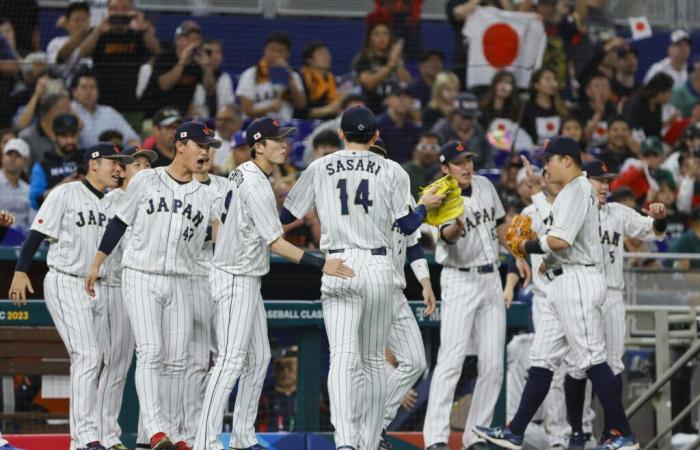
<point>481,181</point>
<point>249,175</point>
<point>65,189</point>
<point>115,195</point>
<point>529,210</point>
<point>618,209</point>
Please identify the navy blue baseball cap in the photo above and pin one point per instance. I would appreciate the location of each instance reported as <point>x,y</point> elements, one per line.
<point>266,128</point>
<point>597,169</point>
<point>135,151</point>
<point>358,121</point>
<point>107,150</point>
<point>198,132</point>
<point>562,146</point>
<point>455,151</point>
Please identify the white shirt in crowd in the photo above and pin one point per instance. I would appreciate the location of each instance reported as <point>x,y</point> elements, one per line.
<point>679,76</point>
<point>262,94</point>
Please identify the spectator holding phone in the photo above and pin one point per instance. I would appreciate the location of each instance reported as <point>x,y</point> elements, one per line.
<point>118,47</point>
<point>65,50</point>
<point>271,88</point>
<point>177,72</point>
<point>208,102</point>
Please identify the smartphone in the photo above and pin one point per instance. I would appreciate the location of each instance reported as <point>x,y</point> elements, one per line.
<point>119,19</point>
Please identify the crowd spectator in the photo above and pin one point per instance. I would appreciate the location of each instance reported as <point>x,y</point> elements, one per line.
<point>162,140</point>
<point>599,27</point>
<point>688,95</point>
<point>501,100</point>
<point>39,135</point>
<point>442,99</point>
<point>207,103</point>
<point>279,407</point>
<point>595,109</point>
<point>97,118</point>
<point>323,101</point>
<point>688,242</point>
<point>5,135</point>
<point>430,64</point>
<point>34,67</point>
<point>64,51</point>
<point>462,125</point>
<point>60,165</point>
<point>675,64</point>
<point>571,127</point>
<point>378,64</point>
<point>118,46</point>
<point>625,81</point>
<point>271,88</point>
<point>676,220</point>
<point>688,145</point>
<point>689,188</point>
<point>542,113</point>
<point>9,68</point>
<point>24,17</point>
<point>396,128</point>
<point>643,176</point>
<point>14,191</point>
<point>178,70</point>
<point>325,143</point>
<point>240,152</point>
<point>620,147</point>
<point>643,110</point>
<point>228,122</point>
<point>424,166</point>
<point>113,136</point>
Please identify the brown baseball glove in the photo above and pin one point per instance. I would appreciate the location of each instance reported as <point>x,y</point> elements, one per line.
<point>519,230</point>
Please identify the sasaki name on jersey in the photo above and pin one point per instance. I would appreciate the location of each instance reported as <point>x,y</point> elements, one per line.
<point>350,165</point>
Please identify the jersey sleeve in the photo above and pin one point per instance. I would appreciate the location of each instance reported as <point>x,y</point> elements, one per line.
<point>498,204</point>
<point>129,205</point>
<point>569,213</point>
<point>401,192</point>
<point>636,225</point>
<point>301,197</point>
<point>260,203</point>
<point>48,219</point>
<point>543,207</point>
<point>246,84</point>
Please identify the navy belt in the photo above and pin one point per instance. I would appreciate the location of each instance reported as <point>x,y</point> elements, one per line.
<point>486,268</point>
<point>552,274</point>
<point>380,251</point>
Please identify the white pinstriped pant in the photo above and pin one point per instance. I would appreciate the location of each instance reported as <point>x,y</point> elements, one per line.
<point>243,352</point>
<point>117,340</point>
<point>161,317</point>
<point>472,309</point>
<point>77,316</point>
<point>357,315</point>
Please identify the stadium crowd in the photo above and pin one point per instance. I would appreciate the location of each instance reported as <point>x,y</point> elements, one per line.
<point>115,81</point>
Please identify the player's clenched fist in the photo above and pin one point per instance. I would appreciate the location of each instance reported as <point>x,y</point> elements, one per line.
<point>19,287</point>
<point>656,210</point>
<point>336,268</point>
<point>6,219</point>
<point>90,280</point>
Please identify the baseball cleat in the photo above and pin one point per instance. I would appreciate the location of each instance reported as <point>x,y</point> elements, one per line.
<point>438,446</point>
<point>619,442</point>
<point>577,441</point>
<point>384,442</point>
<point>119,446</point>
<point>161,441</point>
<point>181,445</point>
<point>500,436</point>
<point>254,447</point>
<point>96,445</point>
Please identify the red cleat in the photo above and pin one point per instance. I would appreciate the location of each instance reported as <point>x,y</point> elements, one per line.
<point>181,445</point>
<point>161,441</point>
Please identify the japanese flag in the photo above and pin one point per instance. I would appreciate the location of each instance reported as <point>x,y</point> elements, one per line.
<point>600,133</point>
<point>503,40</point>
<point>640,28</point>
<point>547,127</point>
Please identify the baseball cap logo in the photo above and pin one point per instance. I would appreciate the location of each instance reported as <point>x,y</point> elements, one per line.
<point>95,154</point>
<point>361,127</point>
<point>275,122</point>
<point>603,167</point>
<point>206,130</point>
<point>459,147</point>
<point>257,136</point>
<point>116,149</point>
<point>183,134</point>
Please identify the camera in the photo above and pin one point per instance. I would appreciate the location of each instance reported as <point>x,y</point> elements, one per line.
<point>119,19</point>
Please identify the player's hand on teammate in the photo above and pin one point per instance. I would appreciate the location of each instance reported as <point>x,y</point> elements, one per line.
<point>410,400</point>
<point>91,279</point>
<point>656,210</point>
<point>429,300</point>
<point>19,287</point>
<point>336,268</point>
<point>524,271</point>
<point>430,199</point>
<point>508,295</point>
<point>6,219</point>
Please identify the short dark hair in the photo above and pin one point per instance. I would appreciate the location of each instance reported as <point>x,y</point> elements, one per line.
<point>310,49</point>
<point>280,37</point>
<point>47,103</point>
<point>83,73</point>
<point>617,118</point>
<point>77,6</point>
<point>326,137</point>
<point>353,98</point>
<point>359,138</point>
<point>429,134</point>
<point>108,135</point>
<point>215,41</point>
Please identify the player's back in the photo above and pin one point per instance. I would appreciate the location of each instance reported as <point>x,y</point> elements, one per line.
<point>357,194</point>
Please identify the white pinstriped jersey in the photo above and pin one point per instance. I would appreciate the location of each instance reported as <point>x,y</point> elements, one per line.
<point>114,273</point>
<point>400,243</point>
<point>218,186</point>
<point>249,223</point>
<point>357,195</point>
<point>616,222</point>
<point>169,222</point>
<point>478,244</point>
<point>575,221</point>
<point>540,213</point>
<point>73,218</point>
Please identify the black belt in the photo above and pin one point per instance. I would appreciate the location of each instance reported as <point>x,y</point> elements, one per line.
<point>552,274</point>
<point>486,268</point>
<point>380,251</point>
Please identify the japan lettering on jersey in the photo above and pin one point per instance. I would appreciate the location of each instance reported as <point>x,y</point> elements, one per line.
<point>249,223</point>
<point>217,186</point>
<point>114,272</point>
<point>478,244</point>
<point>73,217</point>
<point>575,221</point>
<point>616,222</point>
<point>169,222</point>
<point>357,195</point>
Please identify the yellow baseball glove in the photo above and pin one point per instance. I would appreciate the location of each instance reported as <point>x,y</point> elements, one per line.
<point>519,230</point>
<point>452,206</point>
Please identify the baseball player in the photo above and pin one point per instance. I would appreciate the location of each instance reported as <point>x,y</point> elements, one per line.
<point>73,218</point>
<point>405,340</point>
<point>114,334</point>
<point>472,300</point>
<point>250,227</point>
<point>570,319</point>
<point>169,213</point>
<point>358,196</point>
<point>616,222</point>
